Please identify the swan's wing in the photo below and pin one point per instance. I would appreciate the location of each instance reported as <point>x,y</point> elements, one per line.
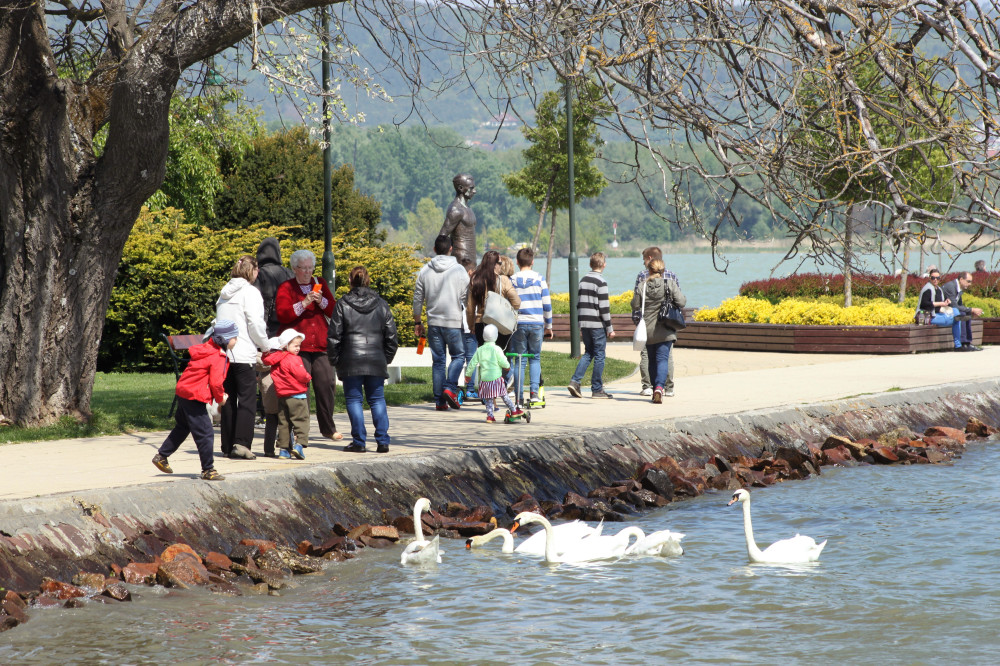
<point>662,542</point>
<point>797,549</point>
<point>563,536</point>
<point>422,552</point>
<point>593,548</point>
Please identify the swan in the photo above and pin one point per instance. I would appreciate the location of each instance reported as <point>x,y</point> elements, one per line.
<point>563,535</point>
<point>421,551</point>
<point>508,540</point>
<point>796,550</point>
<point>662,542</point>
<point>585,549</point>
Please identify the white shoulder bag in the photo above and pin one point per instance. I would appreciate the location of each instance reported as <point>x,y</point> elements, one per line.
<point>639,337</point>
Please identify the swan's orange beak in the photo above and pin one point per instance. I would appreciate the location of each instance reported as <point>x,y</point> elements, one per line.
<point>513,528</point>
<point>468,544</point>
<point>732,502</point>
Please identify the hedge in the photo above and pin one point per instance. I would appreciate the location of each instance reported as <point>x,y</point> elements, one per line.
<point>811,285</point>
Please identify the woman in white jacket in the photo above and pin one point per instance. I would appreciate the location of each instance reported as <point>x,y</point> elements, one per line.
<point>242,303</point>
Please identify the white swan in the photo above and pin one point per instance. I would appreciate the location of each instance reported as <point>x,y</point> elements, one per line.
<point>586,549</point>
<point>421,551</point>
<point>661,542</point>
<point>796,550</point>
<point>481,540</point>
<point>562,535</point>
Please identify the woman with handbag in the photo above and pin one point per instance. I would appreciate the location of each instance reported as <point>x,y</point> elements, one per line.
<point>660,338</point>
<point>486,280</point>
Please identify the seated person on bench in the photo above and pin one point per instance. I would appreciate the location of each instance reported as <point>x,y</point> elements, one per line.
<point>953,292</point>
<point>932,299</point>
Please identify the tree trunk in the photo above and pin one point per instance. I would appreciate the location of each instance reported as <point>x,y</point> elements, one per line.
<point>541,216</point>
<point>552,242</point>
<point>848,243</point>
<point>905,272</point>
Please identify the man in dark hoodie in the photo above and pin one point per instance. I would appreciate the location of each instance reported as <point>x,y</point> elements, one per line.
<point>271,273</point>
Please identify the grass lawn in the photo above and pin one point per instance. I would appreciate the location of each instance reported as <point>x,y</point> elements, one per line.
<point>140,401</point>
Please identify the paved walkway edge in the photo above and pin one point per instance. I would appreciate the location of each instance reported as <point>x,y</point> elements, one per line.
<point>60,535</point>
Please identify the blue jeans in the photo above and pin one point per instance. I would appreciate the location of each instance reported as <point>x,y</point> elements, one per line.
<point>470,350</point>
<point>659,359</point>
<point>441,340</point>
<point>528,340</point>
<point>594,342</point>
<point>374,390</point>
<point>956,326</point>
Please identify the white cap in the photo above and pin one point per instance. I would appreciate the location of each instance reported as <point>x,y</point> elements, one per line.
<point>288,336</point>
<point>490,333</point>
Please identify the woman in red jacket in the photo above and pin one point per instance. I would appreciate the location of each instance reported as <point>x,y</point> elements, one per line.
<point>305,303</point>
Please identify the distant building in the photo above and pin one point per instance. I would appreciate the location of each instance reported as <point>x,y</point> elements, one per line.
<point>504,120</point>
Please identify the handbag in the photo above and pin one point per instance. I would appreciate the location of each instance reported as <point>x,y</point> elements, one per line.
<point>671,316</point>
<point>639,337</point>
<point>499,312</point>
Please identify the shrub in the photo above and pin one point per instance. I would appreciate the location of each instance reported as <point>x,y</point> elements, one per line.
<point>619,303</point>
<point>812,285</point>
<point>817,312</point>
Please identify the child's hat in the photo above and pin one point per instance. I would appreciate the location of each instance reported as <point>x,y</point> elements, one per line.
<point>224,331</point>
<point>274,343</point>
<point>490,333</point>
<point>288,336</point>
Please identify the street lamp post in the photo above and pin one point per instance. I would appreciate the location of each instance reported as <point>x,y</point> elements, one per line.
<point>329,264</point>
<point>574,266</point>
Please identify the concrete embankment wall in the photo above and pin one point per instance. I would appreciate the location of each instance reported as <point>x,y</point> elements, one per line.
<point>60,535</point>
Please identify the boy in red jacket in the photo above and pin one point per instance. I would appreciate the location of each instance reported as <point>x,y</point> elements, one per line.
<point>291,381</point>
<point>200,384</point>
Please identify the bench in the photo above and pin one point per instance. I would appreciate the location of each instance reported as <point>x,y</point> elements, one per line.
<point>176,345</point>
<point>407,357</point>
<point>622,323</point>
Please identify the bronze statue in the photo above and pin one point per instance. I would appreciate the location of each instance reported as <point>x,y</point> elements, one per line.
<point>460,221</point>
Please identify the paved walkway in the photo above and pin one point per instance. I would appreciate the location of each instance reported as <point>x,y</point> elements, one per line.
<point>707,383</point>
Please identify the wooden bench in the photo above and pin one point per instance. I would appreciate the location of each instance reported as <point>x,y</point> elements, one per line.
<point>176,346</point>
<point>622,323</point>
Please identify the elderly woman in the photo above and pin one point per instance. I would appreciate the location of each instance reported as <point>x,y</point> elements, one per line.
<point>241,302</point>
<point>304,303</point>
<point>361,345</point>
<point>659,337</point>
<point>489,276</point>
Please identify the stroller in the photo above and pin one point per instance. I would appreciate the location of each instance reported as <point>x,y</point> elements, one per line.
<point>519,390</point>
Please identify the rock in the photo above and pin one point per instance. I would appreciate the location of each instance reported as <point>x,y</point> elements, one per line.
<point>215,562</point>
<point>668,465</point>
<point>12,597</point>
<point>464,529</point>
<point>942,442</point>
<point>219,585</point>
<point>117,591</point>
<point>548,507</point>
<point>658,481</point>
<point>721,464</point>
<point>272,559</point>
<point>943,431</point>
<point>619,506</point>
<point>710,471</point>
<point>378,542</point>
<point>275,579</point>
<point>13,610</point>
<point>389,532</point>
<point>359,530</point>
<point>55,589</point>
<point>934,456</point>
<point>75,602</point>
<point>530,504</point>
<point>93,581</point>
<point>340,530</point>
<point>244,553</point>
<point>452,509</point>
<point>335,556</point>
<point>836,455</point>
<point>883,455</point>
<point>575,499</point>
<point>263,544</point>
<point>173,551</point>
<point>184,571</point>
<point>608,493</point>
<point>299,564</point>
<point>833,441</point>
<point>402,523</point>
<point>138,573</point>
<point>725,481</point>
<point>976,427</point>
<point>8,622</point>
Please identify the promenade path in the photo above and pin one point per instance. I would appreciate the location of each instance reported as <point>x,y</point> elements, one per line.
<point>708,382</point>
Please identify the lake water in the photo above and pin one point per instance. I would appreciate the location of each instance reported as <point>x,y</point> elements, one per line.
<point>909,576</point>
<point>705,286</point>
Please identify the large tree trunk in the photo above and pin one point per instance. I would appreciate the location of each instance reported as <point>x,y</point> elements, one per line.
<point>65,213</point>
<point>541,216</point>
<point>848,255</point>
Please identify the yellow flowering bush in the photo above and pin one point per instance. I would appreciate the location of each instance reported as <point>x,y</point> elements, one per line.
<point>811,312</point>
<point>619,303</point>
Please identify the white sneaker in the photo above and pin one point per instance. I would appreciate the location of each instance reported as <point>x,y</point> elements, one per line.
<point>668,394</point>
<point>648,391</point>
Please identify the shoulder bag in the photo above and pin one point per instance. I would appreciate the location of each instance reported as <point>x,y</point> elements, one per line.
<point>499,312</point>
<point>671,316</point>
<point>639,337</point>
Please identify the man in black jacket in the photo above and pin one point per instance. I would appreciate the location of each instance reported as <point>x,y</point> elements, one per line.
<point>953,292</point>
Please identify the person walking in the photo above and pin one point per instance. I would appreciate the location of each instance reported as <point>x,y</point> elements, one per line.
<point>534,317</point>
<point>304,303</point>
<point>594,313</point>
<point>270,275</point>
<point>363,341</point>
<point>199,384</point>
<point>648,255</point>
<point>442,285</point>
<point>471,345</point>
<point>241,303</point>
<point>659,337</point>
<point>490,360</point>
<point>488,277</point>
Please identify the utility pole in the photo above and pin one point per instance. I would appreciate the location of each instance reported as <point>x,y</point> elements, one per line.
<point>329,264</point>
<point>574,266</point>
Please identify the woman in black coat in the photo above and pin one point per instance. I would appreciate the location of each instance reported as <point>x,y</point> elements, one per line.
<point>362,343</point>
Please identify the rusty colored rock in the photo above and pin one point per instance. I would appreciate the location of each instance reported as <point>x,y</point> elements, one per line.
<point>183,571</point>
<point>297,563</point>
<point>942,442</point>
<point>452,509</point>
<point>944,431</point>
<point>389,532</point>
<point>44,602</point>
<point>174,550</point>
<point>376,542</point>
<point>263,544</point>
<point>217,562</point>
<point>335,556</point>
<point>836,455</point>
<point>683,487</point>
<point>272,559</point>
<point>117,591</point>
<point>359,531</point>
<point>721,464</point>
<point>725,481</point>
<point>12,597</point>
<point>884,455</point>
<point>574,499</point>
<point>8,622</point>
<point>976,427</point>
<point>658,481</point>
<point>138,573</point>
<point>55,589</point>
<point>340,530</point>
<point>935,456</point>
<point>668,465</point>
<point>219,585</point>
<point>93,581</point>
<point>14,610</point>
<point>520,506</point>
<point>833,441</point>
<point>608,492</point>
<point>75,602</point>
<point>244,554</point>
<point>464,529</point>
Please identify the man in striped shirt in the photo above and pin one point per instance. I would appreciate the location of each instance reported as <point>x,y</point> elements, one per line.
<point>533,318</point>
<point>594,312</point>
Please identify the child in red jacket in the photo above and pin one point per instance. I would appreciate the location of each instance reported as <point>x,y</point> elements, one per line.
<point>291,382</point>
<point>200,384</point>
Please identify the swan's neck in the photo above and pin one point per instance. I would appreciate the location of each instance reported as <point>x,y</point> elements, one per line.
<point>417,529</point>
<point>550,541</point>
<point>752,548</point>
<point>508,540</point>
